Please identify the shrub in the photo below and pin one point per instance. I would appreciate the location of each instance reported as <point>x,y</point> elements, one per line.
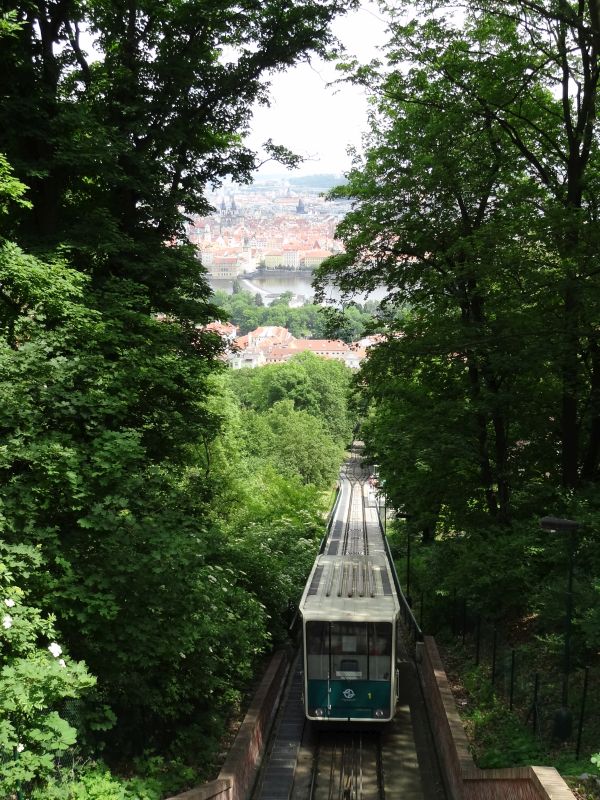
<point>35,679</point>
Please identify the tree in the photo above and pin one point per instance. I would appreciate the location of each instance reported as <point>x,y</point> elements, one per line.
<point>316,385</point>
<point>534,72</point>
<point>440,221</point>
<point>295,417</point>
<point>306,322</point>
<point>270,521</point>
<point>283,300</point>
<point>117,151</point>
<point>330,383</point>
<point>302,445</point>
<point>35,681</point>
<point>476,205</point>
<point>99,474</point>
<point>104,376</point>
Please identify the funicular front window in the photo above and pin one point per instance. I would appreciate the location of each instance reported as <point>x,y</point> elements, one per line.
<point>380,651</point>
<point>317,650</point>
<point>349,650</point>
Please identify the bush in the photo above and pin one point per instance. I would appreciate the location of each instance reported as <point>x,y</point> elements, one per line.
<point>35,680</point>
<point>94,781</point>
<point>498,737</point>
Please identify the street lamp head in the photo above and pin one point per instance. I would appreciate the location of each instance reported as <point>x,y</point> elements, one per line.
<point>555,524</point>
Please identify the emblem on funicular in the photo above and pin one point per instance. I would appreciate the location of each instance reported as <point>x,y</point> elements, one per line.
<point>349,694</point>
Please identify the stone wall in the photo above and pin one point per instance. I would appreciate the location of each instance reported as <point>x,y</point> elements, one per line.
<point>464,781</point>
<point>238,774</point>
<point>449,735</point>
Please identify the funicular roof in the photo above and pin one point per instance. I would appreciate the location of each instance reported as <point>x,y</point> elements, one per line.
<point>350,587</point>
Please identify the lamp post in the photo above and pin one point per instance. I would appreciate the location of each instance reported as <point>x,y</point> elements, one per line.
<point>563,719</point>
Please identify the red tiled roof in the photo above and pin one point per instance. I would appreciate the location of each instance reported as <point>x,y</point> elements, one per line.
<point>222,328</point>
<point>278,344</point>
<point>328,345</point>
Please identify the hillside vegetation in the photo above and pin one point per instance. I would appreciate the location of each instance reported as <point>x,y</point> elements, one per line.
<point>137,535</point>
<point>308,321</point>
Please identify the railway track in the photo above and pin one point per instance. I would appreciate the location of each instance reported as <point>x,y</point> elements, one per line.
<point>348,766</point>
<point>353,762</point>
<point>356,540</point>
<point>354,469</point>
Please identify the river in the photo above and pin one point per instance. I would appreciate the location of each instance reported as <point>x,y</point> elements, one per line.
<point>271,285</point>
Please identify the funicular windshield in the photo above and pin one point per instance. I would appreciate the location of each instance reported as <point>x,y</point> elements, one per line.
<point>349,650</point>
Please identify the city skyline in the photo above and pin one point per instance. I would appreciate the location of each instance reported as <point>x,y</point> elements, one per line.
<point>262,226</point>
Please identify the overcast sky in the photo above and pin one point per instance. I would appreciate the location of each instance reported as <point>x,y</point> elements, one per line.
<point>310,117</point>
<point>306,115</point>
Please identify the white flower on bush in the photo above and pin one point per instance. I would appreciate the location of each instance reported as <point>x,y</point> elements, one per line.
<point>55,649</point>
<point>7,621</point>
<point>9,602</point>
<point>61,661</point>
<point>20,747</point>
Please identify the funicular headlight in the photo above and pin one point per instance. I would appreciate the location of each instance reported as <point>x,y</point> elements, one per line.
<point>318,712</point>
<point>379,713</point>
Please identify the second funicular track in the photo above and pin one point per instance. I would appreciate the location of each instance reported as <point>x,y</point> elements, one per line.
<point>356,541</point>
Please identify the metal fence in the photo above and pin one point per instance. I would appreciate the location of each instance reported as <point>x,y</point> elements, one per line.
<point>412,626</point>
<point>527,677</point>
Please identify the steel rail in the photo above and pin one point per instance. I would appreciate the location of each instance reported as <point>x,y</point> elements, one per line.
<point>350,766</point>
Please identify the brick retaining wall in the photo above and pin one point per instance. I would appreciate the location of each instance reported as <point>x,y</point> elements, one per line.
<point>243,760</point>
<point>448,733</point>
<point>464,781</point>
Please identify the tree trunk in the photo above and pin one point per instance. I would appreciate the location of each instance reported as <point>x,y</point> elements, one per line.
<point>591,462</point>
<point>485,469</point>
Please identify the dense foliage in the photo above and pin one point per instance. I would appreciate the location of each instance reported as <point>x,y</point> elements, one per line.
<point>107,472</point>
<point>35,679</point>
<point>296,415</point>
<point>476,205</point>
<point>275,465</point>
<point>308,321</point>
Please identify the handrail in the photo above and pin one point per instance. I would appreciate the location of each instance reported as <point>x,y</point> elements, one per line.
<point>409,618</point>
<point>333,511</point>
